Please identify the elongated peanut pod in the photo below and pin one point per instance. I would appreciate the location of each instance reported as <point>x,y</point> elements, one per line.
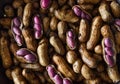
<point>17,76</point>
<point>27,14</point>
<point>83,30</point>
<point>29,39</point>
<point>105,13</point>
<point>30,76</point>
<point>95,33</point>
<point>113,74</point>
<point>57,44</point>
<point>87,58</point>
<point>87,1</point>
<point>63,67</point>
<point>42,52</point>
<point>5,53</point>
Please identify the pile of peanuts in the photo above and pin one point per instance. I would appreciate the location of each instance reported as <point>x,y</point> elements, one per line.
<point>61,41</point>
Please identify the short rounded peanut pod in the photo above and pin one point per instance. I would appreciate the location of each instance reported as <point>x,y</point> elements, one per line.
<point>42,52</point>
<point>71,57</point>
<point>45,3</point>
<point>95,33</point>
<point>98,49</point>
<point>57,44</point>
<point>9,11</point>
<point>87,73</point>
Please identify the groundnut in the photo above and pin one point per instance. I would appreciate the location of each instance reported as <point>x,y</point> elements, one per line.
<point>77,65</point>
<point>27,14</point>
<point>42,52</point>
<point>87,58</point>
<point>17,3</point>
<point>87,73</point>
<point>106,31</point>
<point>66,15</point>
<point>30,76</point>
<point>81,13</point>
<point>83,30</point>
<point>105,13</point>
<point>93,81</point>
<point>95,33</point>
<point>109,51</point>
<point>53,23</point>
<point>87,7</point>
<point>71,57</point>
<point>113,74</point>
<point>53,7</point>
<point>8,73</point>
<point>71,39</point>
<point>29,39</point>
<point>57,44</point>
<point>38,29</point>
<point>46,25</point>
<point>115,7</point>
<point>98,49</point>
<point>20,12</point>
<point>5,53</point>
<point>17,76</point>
<point>87,1</point>
<point>34,67</point>
<point>63,67</point>
<point>62,28</point>
<point>61,2</point>
<point>26,56</point>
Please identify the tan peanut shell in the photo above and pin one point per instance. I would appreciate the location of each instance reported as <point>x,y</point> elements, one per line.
<point>105,13</point>
<point>27,14</point>
<point>114,49</point>
<point>88,1</point>
<point>98,49</point>
<point>95,32</point>
<point>5,53</point>
<point>5,22</point>
<point>66,15</point>
<point>115,7</point>
<point>57,44</point>
<point>30,76</point>
<point>84,30</point>
<point>17,76</point>
<point>46,25</point>
<point>8,73</point>
<point>106,31</point>
<point>42,52</point>
<point>94,81</point>
<point>87,57</point>
<point>71,57</point>
<point>63,67</point>
<point>113,74</point>
<point>29,39</point>
<point>87,72</point>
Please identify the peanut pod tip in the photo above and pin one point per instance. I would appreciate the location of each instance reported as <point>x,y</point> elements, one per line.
<point>67,81</point>
<point>26,55</point>
<point>58,79</point>
<point>70,39</point>
<point>16,22</point>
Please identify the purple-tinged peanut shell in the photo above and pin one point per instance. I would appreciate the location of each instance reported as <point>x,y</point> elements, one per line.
<point>17,31</point>
<point>110,60</point>
<point>30,58</point>
<point>37,27</point>
<point>36,19</point>
<point>16,22</point>
<point>109,51</point>
<point>70,40</point>
<point>67,81</point>
<point>37,34</point>
<point>22,52</point>
<point>19,40</point>
<point>77,10</point>
<point>51,71</point>
<point>108,42</point>
<point>44,4</point>
<point>58,79</point>
<point>25,55</point>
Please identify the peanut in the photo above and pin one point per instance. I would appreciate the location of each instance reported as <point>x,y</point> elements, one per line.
<point>98,49</point>
<point>42,52</point>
